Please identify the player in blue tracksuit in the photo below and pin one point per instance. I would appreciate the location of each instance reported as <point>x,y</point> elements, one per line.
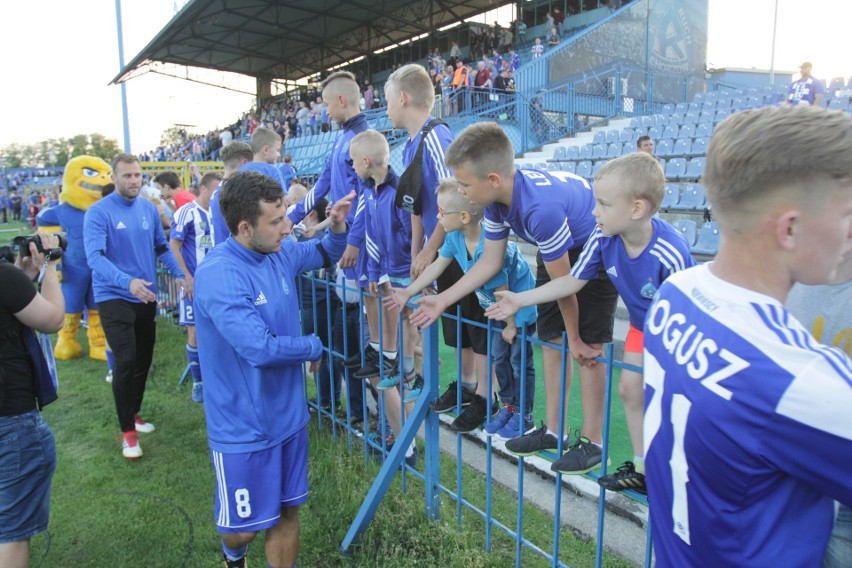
<point>386,225</point>
<point>123,238</point>
<point>234,155</point>
<point>251,350</point>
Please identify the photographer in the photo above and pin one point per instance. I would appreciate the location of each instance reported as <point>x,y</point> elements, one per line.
<point>27,464</point>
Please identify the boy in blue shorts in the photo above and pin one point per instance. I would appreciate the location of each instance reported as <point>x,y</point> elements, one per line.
<point>252,352</point>
<point>464,243</point>
<point>388,245</point>
<point>638,251</point>
<point>190,239</point>
<point>552,210</point>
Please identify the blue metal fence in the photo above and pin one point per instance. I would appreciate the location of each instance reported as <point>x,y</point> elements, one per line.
<point>420,416</point>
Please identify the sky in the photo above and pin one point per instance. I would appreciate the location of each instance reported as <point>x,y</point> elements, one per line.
<point>60,56</point>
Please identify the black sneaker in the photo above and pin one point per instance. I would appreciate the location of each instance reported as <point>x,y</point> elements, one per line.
<point>533,442</point>
<point>447,401</point>
<point>474,415</point>
<point>241,563</point>
<point>354,361</point>
<point>371,368</point>
<point>625,477</point>
<point>583,457</point>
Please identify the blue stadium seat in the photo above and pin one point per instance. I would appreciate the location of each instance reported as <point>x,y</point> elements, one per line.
<point>662,163</point>
<point>558,153</point>
<point>688,229</point>
<point>600,137</point>
<point>613,150</point>
<point>663,119</point>
<point>635,122</point>
<point>723,104</point>
<point>628,147</point>
<point>648,121</point>
<point>676,168</point>
<point>739,103</point>
<point>612,136</point>
<point>671,131</point>
<point>676,118</point>
<point>681,108</point>
<point>599,151</point>
<point>663,148</point>
<point>708,106</point>
<point>641,131</point>
<point>703,130</point>
<point>836,84</point>
<point>695,170</point>
<point>695,107</point>
<point>692,198</point>
<point>707,117</point>
<point>721,115</point>
<point>584,169</point>
<point>839,103</point>
<point>708,239</point>
<point>671,197</point>
<point>699,147</point>
<point>690,117</point>
<point>687,131</point>
<point>572,153</point>
<point>570,167</point>
<point>754,102</point>
<point>668,109</point>
<point>586,151</point>
<point>712,96</point>
<point>627,135</point>
<point>682,147</point>
<point>597,166</point>
<point>540,166</point>
<point>655,132</point>
<point>698,98</point>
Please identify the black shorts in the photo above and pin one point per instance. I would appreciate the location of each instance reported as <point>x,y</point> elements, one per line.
<point>597,301</point>
<point>471,335</point>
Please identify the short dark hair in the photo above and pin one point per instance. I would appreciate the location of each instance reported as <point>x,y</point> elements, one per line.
<point>124,159</point>
<point>170,179</point>
<point>241,196</point>
<point>320,208</point>
<point>641,139</point>
<point>210,176</point>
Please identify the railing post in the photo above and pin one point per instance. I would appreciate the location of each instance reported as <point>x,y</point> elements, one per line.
<point>432,467</point>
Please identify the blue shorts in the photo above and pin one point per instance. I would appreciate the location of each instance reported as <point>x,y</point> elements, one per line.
<point>27,463</point>
<point>252,487</point>
<point>186,312</point>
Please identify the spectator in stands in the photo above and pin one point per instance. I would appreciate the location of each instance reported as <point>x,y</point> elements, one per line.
<point>537,49</point>
<point>287,171</point>
<point>514,59</point>
<point>377,99</point>
<point>808,90</point>
<point>521,32</point>
<point>549,22</point>
<point>16,204</point>
<point>645,144</point>
<point>266,148</point>
<point>368,96</point>
<point>303,118</point>
<point>171,190</point>
<point>553,38</point>
<point>28,459</point>
<point>455,53</point>
<point>483,84</point>
<point>121,244</point>
<point>558,17</point>
<point>234,156</point>
<point>226,137</point>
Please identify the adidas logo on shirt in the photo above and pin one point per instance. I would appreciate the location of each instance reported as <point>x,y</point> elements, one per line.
<point>121,225</point>
<point>260,300</point>
<point>612,271</point>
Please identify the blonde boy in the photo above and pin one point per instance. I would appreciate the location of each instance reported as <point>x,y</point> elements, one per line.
<point>638,252</point>
<point>265,148</point>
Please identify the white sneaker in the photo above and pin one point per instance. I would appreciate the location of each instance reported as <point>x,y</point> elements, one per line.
<point>144,427</point>
<point>130,447</point>
<point>108,377</point>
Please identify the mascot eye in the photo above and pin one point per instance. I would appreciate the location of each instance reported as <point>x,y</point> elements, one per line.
<point>90,173</point>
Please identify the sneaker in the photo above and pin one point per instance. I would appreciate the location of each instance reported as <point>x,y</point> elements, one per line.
<point>583,457</point>
<point>392,380</point>
<point>377,454</point>
<point>414,387</point>
<point>130,447</point>
<point>447,401</point>
<point>108,377</point>
<point>625,477</point>
<point>354,361</point>
<point>534,442</point>
<point>198,392</point>
<point>241,563</point>
<point>473,416</point>
<point>515,427</point>
<point>371,368</point>
<point>144,427</point>
<point>498,421</point>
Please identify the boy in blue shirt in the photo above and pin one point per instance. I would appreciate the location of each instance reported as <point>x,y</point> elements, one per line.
<point>388,245</point>
<point>265,148</point>
<point>464,243</point>
<point>638,252</point>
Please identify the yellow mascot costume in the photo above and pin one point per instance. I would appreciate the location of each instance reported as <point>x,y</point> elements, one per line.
<point>82,185</point>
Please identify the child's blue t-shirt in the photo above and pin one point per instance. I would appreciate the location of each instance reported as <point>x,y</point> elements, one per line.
<point>636,279</point>
<point>515,273</point>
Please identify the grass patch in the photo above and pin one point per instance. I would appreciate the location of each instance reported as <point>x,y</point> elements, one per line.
<point>158,511</point>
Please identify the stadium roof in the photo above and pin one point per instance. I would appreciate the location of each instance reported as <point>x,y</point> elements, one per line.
<point>292,39</point>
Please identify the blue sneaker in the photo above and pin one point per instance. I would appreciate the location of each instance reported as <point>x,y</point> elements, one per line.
<point>414,387</point>
<point>377,454</point>
<point>499,421</point>
<point>198,392</point>
<point>512,429</point>
<point>390,381</point>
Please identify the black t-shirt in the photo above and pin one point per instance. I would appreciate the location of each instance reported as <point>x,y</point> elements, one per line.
<point>16,377</point>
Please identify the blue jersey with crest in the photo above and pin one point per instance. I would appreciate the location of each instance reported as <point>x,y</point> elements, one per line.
<point>195,232</point>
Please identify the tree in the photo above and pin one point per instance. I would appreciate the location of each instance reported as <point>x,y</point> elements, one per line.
<point>57,151</point>
<point>174,135</point>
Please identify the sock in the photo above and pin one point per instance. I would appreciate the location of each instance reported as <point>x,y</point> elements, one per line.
<point>469,387</point>
<point>110,360</point>
<point>234,553</point>
<point>408,364</point>
<point>639,464</point>
<point>410,451</point>
<point>375,346</point>
<point>194,366</point>
<point>390,355</point>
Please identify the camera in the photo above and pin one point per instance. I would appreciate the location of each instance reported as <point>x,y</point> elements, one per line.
<point>23,246</point>
<point>7,253</point>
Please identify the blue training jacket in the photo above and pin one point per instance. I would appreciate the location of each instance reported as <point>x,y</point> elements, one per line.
<point>388,230</point>
<point>249,340</point>
<point>122,239</point>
